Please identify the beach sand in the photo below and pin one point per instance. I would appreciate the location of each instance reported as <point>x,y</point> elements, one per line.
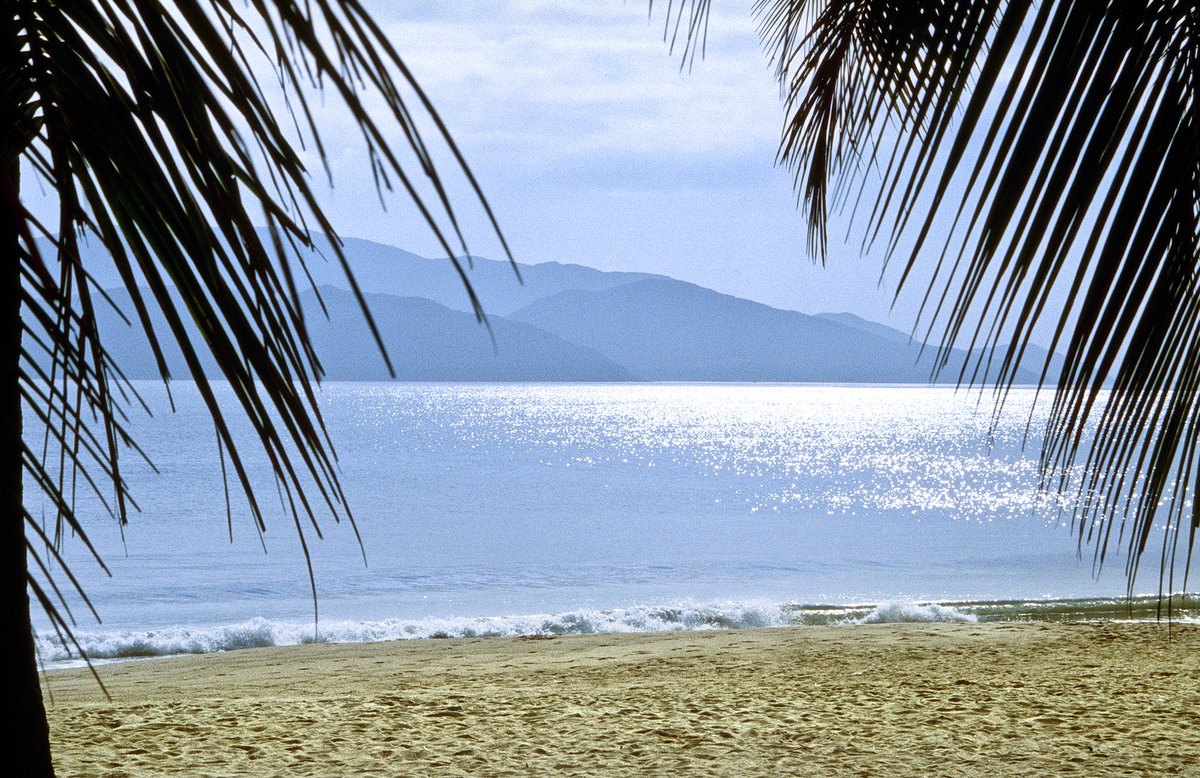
<point>885,700</point>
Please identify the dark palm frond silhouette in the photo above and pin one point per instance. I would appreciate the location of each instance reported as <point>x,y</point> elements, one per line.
<point>1011,149</point>
<point>146,121</point>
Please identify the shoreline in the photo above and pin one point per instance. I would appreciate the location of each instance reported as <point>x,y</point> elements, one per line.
<point>996,698</point>
<point>124,643</point>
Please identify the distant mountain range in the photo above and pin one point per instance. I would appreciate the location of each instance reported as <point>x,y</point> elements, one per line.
<point>564,323</point>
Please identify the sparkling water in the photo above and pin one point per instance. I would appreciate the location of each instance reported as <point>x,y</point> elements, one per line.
<point>497,509</point>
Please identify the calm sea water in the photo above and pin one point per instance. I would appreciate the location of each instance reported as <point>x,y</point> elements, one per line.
<point>523,509</point>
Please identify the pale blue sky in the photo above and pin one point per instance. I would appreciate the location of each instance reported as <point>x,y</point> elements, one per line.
<point>594,148</point>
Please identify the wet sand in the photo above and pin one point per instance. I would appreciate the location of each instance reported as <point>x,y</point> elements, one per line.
<point>884,700</point>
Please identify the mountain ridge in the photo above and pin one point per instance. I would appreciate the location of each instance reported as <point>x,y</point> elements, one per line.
<point>691,333</point>
<point>567,322</point>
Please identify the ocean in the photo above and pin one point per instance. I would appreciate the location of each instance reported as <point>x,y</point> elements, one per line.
<point>522,509</point>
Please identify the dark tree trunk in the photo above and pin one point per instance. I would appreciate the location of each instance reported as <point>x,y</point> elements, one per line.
<point>25,739</point>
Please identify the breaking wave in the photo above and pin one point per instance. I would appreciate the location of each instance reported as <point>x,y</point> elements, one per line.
<point>261,632</point>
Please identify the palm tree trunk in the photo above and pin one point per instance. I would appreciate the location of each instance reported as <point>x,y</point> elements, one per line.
<point>25,740</point>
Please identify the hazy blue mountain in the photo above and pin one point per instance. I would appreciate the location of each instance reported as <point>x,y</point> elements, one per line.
<point>425,341</point>
<point>1033,360</point>
<point>382,269</point>
<point>666,330</point>
<point>388,270</point>
<point>129,346</point>
<point>567,322</point>
<point>856,322</point>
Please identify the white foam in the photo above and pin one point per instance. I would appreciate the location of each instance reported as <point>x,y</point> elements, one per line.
<point>908,612</point>
<point>260,632</point>
<point>131,644</point>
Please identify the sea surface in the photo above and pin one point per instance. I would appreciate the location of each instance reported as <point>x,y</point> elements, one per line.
<point>517,509</point>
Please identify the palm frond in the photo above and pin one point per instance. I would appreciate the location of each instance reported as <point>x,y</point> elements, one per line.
<point>1046,147</point>
<point>148,123</point>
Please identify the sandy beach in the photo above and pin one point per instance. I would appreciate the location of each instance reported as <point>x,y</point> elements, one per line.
<point>888,700</point>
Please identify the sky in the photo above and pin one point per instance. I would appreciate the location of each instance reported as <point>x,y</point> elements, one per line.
<point>594,146</point>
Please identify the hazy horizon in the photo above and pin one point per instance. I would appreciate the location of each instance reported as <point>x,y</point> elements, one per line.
<point>595,147</point>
